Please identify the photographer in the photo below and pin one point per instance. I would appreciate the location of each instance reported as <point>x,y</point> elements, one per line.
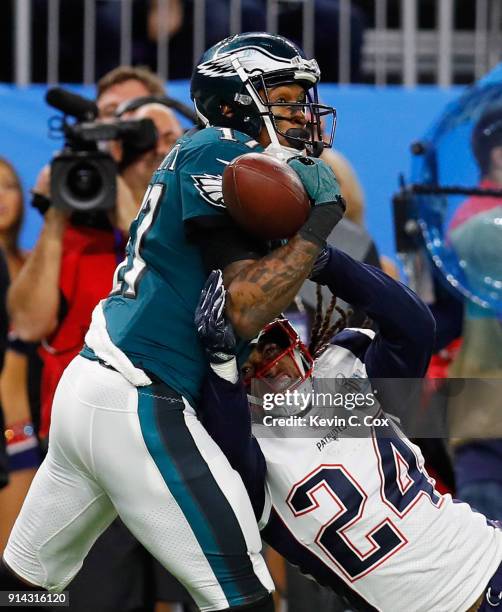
<point>71,267</point>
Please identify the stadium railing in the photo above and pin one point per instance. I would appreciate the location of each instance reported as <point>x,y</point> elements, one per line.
<point>399,52</point>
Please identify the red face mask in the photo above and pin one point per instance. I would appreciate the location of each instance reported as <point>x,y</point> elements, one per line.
<point>279,341</point>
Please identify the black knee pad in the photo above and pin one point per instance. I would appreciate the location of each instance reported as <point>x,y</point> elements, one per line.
<point>262,605</point>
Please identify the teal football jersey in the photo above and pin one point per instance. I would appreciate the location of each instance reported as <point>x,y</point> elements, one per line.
<point>149,313</point>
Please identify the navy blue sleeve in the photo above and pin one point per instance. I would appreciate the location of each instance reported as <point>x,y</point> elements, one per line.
<point>224,412</point>
<point>403,344</point>
<point>448,312</point>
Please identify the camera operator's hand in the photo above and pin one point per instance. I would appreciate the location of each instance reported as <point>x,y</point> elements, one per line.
<point>126,209</point>
<point>42,201</point>
<point>43,182</point>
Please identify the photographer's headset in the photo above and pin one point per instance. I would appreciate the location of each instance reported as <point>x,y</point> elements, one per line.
<point>131,150</point>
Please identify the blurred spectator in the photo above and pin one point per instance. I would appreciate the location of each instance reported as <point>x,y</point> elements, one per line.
<point>11,216</point>
<point>4,282</point>
<point>144,34</point>
<point>475,413</point>
<point>20,378</point>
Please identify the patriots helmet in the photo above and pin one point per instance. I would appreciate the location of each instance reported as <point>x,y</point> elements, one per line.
<point>279,340</point>
<point>235,70</point>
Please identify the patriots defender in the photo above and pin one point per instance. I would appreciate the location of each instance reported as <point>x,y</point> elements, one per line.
<point>125,437</point>
<point>358,514</point>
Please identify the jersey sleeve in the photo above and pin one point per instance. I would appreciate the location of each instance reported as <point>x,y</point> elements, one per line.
<point>224,412</point>
<point>201,178</point>
<point>206,220</point>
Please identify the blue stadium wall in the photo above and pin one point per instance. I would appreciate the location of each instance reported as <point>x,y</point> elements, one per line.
<point>374,131</point>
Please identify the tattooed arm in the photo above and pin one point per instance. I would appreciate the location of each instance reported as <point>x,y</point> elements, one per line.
<point>260,290</point>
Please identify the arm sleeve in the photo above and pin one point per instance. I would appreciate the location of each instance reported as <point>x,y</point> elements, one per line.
<point>224,412</point>
<point>406,330</point>
<point>448,312</point>
<point>371,257</point>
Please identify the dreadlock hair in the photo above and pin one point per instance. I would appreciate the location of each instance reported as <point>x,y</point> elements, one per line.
<point>322,329</point>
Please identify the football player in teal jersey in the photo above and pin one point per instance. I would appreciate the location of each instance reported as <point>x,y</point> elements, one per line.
<point>183,229</point>
<point>125,437</point>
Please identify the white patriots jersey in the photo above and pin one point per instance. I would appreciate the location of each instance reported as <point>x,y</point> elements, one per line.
<point>362,516</point>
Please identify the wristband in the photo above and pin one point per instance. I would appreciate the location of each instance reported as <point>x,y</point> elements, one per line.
<point>322,220</point>
<point>22,446</point>
<point>227,370</point>
<point>41,202</point>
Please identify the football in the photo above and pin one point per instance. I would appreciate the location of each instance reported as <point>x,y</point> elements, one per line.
<point>265,196</point>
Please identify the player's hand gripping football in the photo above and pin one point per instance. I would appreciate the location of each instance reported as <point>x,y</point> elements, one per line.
<point>215,332</point>
<point>328,206</point>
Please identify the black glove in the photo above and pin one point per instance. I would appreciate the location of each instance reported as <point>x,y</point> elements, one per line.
<point>215,332</point>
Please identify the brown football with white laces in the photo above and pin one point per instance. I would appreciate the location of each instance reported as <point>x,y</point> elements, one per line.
<point>265,196</point>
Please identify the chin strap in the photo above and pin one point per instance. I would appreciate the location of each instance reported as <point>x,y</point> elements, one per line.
<point>317,148</point>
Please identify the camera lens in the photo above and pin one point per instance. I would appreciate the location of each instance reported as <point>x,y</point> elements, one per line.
<point>84,181</point>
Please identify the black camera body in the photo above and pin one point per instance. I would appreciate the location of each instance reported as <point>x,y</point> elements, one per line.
<point>83,180</point>
<point>84,177</point>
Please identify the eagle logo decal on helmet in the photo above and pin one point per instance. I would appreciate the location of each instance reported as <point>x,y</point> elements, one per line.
<point>257,61</point>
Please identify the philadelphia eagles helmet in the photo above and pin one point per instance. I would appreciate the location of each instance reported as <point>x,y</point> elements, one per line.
<point>235,70</point>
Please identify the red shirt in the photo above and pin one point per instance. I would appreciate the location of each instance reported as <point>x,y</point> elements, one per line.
<point>88,263</point>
